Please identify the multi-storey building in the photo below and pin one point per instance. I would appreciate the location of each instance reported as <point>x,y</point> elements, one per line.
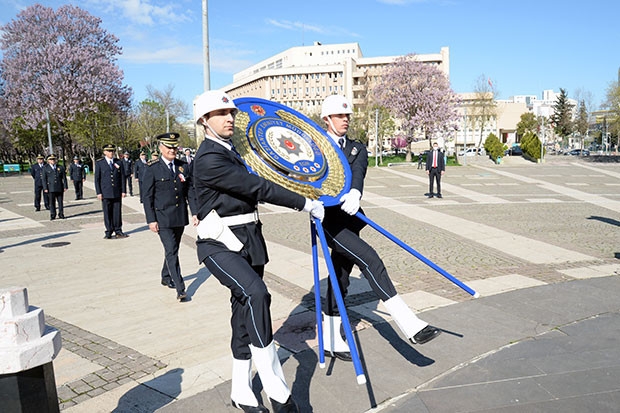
<point>301,77</point>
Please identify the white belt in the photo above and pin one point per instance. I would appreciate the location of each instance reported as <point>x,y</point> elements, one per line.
<point>240,219</point>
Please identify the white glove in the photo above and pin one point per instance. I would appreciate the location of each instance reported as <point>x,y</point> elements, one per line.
<point>351,201</point>
<point>315,208</point>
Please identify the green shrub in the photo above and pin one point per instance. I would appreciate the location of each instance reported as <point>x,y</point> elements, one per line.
<point>493,146</point>
<point>530,144</point>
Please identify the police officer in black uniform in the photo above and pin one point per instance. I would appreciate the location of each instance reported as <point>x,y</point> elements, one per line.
<point>166,186</point>
<point>127,163</point>
<point>342,231</point>
<point>77,174</point>
<point>37,174</point>
<point>54,186</point>
<point>110,188</point>
<point>138,172</point>
<point>232,247</point>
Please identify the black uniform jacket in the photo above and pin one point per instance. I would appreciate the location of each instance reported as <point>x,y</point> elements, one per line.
<point>127,166</point>
<point>37,174</point>
<point>165,198</point>
<point>77,172</point>
<point>54,179</point>
<point>335,218</point>
<point>222,182</point>
<point>139,170</point>
<point>110,183</point>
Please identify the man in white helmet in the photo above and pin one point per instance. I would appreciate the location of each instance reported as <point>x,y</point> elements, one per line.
<point>237,259</point>
<point>342,231</point>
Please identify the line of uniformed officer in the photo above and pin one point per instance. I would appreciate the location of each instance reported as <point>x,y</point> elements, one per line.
<point>37,175</point>
<point>166,185</point>
<point>77,174</point>
<point>110,188</point>
<point>54,186</point>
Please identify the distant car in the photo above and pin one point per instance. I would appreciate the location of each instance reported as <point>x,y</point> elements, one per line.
<point>471,152</point>
<point>513,151</point>
<point>578,152</point>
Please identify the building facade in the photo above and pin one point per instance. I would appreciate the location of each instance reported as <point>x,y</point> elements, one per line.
<point>302,77</point>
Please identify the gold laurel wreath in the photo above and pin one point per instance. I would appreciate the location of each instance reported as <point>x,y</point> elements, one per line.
<point>331,186</point>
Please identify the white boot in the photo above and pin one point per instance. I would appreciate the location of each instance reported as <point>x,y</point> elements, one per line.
<point>241,387</point>
<point>332,340</point>
<point>405,319</point>
<point>270,372</point>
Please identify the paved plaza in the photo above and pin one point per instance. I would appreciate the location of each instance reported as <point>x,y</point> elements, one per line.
<point>539,242</point>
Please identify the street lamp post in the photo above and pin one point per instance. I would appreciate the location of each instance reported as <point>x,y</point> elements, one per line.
<point>376,138</point>
<point>465,138</point>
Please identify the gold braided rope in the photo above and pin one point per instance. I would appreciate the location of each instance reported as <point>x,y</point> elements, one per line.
<point>331,186</point>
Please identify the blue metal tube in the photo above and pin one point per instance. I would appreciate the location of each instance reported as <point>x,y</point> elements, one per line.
<point>418,255</point>
<point>317,295</point>
<point>359,372</point>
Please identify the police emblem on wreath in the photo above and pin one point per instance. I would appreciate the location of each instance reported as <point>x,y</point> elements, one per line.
<point>284,146</point>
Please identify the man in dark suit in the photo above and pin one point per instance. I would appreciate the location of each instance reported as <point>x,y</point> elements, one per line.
<point>77,174</point>
<point>166,186</point>
<point>110,188</point>
<point>188,156</point>
<point>342,231</point>
<point>127,164</point>
<point>138,172</point>
<point>435,168</point>
<point>54,186</point>
<point>232,247</point>
<point>37,174</point>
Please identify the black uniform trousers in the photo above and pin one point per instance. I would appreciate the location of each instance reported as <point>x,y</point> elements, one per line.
<point>130,184</point>
<point>140,189</point>
<point>171,270</point>
<point>78,185</point>
<point>38,190</point>
<point>53,198</point>
<point>349,249</point>
<point>112,208</point>
<point>250,301</point>
<point>434,174</point>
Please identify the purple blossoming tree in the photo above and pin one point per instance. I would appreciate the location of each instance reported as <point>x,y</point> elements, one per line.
<point>418,94</point>
<point>62,61</point>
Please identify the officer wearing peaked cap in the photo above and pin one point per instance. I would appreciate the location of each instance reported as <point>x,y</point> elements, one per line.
<point>166,187</point>
<point>36,171</point>
<point>111,189</point>
<point>231,245</point>
<point>77,174</point>
<point>54,186</point>
<point>127,164</point>
<point>138,172</point>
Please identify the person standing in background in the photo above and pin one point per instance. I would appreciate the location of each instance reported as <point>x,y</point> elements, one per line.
<point>110,186</point>
<point>127,164</point>
<point>435,168</point>
<point>54,186</point>
<point>139,170</point>
<point>37,174</point>
<point>77,174</point>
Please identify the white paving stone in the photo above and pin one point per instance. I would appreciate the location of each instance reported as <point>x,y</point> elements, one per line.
<point>496,285</point>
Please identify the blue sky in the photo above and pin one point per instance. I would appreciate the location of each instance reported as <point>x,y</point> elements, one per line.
<point>523,46</point>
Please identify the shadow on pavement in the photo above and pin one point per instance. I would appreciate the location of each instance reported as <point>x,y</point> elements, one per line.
<point>148,397</point>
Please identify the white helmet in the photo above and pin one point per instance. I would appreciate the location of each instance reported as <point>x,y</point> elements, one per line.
<point>335,105</point>
<point>212,100</point>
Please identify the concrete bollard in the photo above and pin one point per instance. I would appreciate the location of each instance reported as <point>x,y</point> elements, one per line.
<point>27,348</point>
